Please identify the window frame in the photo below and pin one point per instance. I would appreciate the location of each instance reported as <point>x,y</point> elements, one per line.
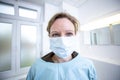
<point>18,4</point>
<point>29,6</point>
<point>38,47</point>
<point>16,72</point>
<point>13,51</point>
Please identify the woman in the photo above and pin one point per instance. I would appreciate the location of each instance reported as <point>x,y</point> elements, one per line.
<point>64,62</point>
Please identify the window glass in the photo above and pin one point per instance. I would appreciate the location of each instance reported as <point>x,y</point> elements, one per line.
<point>116,34</point>
<point>28,45</point>
<point>100,36</point>
<point>29,13</point>
<point>5,46</point>
<point>6,8</point>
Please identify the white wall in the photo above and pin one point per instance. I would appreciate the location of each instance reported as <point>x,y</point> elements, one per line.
<point>94,9</point>
<point>106,57</point>
<point>91,10</point>
<point>70,9</point>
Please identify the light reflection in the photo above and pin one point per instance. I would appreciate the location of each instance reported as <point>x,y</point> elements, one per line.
<point>5,46</point>
<point>23,12</point>
<point>28,45</point>
<point>28,33</point>
<point>6,9</point>
<point>101,23</point>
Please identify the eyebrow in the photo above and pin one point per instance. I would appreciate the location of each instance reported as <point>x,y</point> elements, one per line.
<point>54,32</point>
<point>69,30</point>
<point>65,30</point>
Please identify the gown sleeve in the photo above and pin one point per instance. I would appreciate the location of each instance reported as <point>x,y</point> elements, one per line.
<point>30,75</point>
<point>92,72</point>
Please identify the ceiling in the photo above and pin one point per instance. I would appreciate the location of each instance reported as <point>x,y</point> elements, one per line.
<point>76,3</point>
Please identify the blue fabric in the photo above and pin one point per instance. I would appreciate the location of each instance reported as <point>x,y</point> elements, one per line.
<point>78,68</point>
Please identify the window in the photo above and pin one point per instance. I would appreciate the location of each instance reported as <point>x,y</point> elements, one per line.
<point>20,35</point>
<point>116,34</point>
<point>104,31</point>
<point>100,36</point>
<point>6,8</point>
<point>28,45</point>
<point>28,13</point>
<point>5,46</point>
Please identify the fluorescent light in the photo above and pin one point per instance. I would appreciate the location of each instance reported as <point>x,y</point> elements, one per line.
<point>101,23</point>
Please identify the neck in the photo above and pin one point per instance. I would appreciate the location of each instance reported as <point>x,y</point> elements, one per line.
<point>57,59</point>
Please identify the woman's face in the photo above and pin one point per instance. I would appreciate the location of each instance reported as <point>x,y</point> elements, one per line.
<point>62,27</point>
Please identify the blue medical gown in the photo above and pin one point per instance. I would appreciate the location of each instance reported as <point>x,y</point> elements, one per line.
<point>78,68</point>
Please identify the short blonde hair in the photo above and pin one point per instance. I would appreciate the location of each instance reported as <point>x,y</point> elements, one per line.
<point>63,15</point>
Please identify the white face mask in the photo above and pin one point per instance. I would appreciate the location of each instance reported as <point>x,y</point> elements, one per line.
<point>63,46</point>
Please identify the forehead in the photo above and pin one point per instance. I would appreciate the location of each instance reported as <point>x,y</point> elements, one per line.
<point>62,23</point>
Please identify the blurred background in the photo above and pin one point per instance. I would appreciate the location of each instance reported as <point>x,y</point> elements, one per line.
<point>23,35</point>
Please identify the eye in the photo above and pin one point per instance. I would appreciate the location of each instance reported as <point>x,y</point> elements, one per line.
<point>55,35</point>
<point>69,34</point>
